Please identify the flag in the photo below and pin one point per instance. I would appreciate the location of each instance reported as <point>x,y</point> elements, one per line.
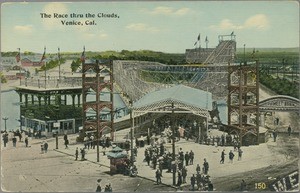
<point>206,40</point>
<point>58,54</point>
<point>18,56</point>
<point>232,33</point>
<point>82,58</point>
<point>198,37</point>
<point>195,43</point>
<point>44,55</point>
<point>253,53</point>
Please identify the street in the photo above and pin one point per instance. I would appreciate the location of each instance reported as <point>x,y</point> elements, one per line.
<point>28,170</point>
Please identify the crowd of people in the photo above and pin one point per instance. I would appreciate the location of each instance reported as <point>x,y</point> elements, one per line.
<point>12,136</point>
<point>108,187</point>
<point>158,157</point>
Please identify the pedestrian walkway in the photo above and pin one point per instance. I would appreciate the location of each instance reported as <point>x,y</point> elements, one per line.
<point>211,153</point>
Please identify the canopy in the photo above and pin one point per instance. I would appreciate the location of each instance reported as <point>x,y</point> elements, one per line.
<point>116,152</point>
<point>182,97</point>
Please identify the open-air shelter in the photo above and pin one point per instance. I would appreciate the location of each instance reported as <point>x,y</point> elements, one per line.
<point>178,99</point>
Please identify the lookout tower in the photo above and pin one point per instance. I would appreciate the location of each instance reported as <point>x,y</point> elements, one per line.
<point>97,78</point>
<point>243,102</point>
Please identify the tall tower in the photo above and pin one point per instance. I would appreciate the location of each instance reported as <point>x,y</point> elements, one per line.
<point>243,99</point>
<point>97,83</point>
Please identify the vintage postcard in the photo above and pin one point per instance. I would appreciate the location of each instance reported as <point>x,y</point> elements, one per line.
<point>164,96</point>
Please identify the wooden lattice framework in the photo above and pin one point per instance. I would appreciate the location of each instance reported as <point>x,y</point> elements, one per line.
<point>243,101</point>
<point>93,82</point>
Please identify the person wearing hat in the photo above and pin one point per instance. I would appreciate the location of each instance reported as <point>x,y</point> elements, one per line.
<point>76,153</point>
<point>193,181</point>
<point>98,189</point>
<point>205,166</point>
<point>222,157</point>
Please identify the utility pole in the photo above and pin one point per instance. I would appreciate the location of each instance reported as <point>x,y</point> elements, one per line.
<point>173,146</point>
<point>5,119</point>
<point>131,134</point>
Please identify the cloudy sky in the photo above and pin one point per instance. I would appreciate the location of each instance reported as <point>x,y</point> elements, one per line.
<point>160,26</point>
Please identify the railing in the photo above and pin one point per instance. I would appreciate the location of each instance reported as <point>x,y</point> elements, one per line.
<point>51,82</point>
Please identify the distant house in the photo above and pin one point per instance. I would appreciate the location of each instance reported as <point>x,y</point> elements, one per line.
<point>14,74</point>
<point>8,61</point>
<point>27,62</point>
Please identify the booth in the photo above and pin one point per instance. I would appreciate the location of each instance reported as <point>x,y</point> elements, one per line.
<point>118,160</point>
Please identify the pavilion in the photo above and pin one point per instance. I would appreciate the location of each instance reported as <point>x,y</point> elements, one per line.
<point>179,100</point>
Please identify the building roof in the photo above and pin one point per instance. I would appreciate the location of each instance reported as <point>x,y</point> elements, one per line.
<point>193,98</point>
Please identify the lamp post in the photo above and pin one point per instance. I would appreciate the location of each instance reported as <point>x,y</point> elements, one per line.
<point>131,133</point>
<point>5,119</point>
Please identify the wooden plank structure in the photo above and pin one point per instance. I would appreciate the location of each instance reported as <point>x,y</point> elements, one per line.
<point>45,106</point>
<point>94,84</point>
<point>243,102</point>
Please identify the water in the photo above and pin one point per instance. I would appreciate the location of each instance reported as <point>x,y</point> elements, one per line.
<point>10,108</point>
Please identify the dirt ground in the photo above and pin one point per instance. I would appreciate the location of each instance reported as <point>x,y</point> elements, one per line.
<point>288,146</point>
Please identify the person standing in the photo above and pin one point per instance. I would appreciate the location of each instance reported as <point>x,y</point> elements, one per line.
<point>231,156</point>
<point>191,157</point>
<point>198,180</point>
<point>179,179</point>
<point>66,141</point>
<point>193,181</point>
<point>42,147</point>
<point>198,168</point>
<point>158,176</point>
<point>14,140</point>
<point>76,153</point>
<point>274,135</point>
<point>98,189</point>
<point>109,187</point>
<point>223,140</point>
<point>184,174</point>
<point>5,138</point>
<point>205,166</point>
<point>160,166</point>
<point>243,185</point>
<point>222,157</point>
<point>106,189</point>
<point>93,143</point>
<point>82,151</point>
<point>154,162</point>
<point>46,147</point>
<point>240,153</point>
<point>187,158</point>
<point>289,130</point>
<point>26,141</point>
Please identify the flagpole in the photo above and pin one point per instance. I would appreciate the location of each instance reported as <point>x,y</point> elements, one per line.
<point>199,46</point>
<point>58,64</point>
<point>45,67</point>
<point>20,60</point>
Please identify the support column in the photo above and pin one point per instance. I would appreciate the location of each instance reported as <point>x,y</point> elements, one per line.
<point>32,99</point>
<point>48,96</point>
<point>65,99</point>
<point>21,97</point>
<point>26,100</point>
<point>78,100</point>
<point>40,102</point>
<point>45,99</point>
<point>73,100</point>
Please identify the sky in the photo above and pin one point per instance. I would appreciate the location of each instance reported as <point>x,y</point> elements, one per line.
<point>167,26</point>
